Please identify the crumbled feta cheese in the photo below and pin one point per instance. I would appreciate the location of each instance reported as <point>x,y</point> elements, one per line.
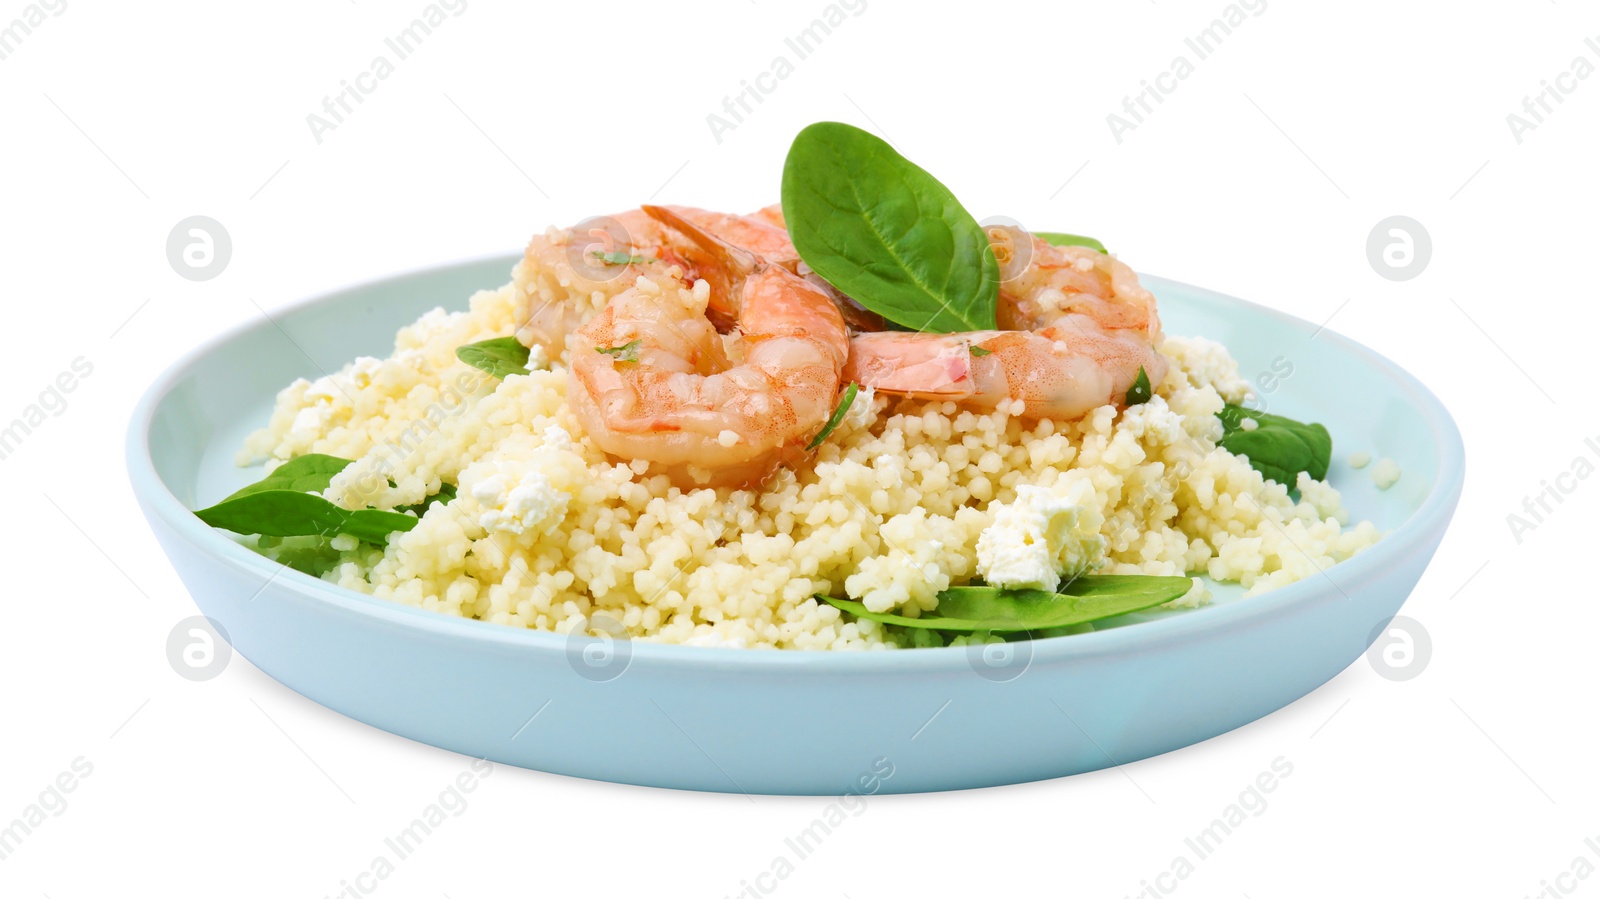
<point>533,505</point>
<point>555,437</point>
<point>1248,424</point>
<point>528,490</point>
<point>537,358</point>
<point>326,401</point>
<point>489,490</point>
<point>1360,459</point>
<point>1385,473</point>
<point>727,438</point>
<point>861,413</point>
<point>1035,541</point>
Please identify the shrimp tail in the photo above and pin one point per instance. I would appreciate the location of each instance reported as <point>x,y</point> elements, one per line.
<point>723,265</point>
<point>857,316</point>
<point>908,363</point>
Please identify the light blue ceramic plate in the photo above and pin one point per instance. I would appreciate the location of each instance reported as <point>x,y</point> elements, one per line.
<point>792,722</point>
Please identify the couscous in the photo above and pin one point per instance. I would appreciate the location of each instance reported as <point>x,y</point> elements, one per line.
<point>881,471</point>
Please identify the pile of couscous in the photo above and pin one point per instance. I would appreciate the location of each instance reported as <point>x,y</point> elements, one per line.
<point>544,531</point>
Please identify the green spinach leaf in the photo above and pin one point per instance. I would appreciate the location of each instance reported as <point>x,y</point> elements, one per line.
<point>1280,448</point>
<point>1140,391</point>
<point>312,555</point>
<point>285,504</point>
<point>887,233</point>
<point>500,357</point>
<point>619,257</point>
<point>847,397</point>
<point>982,608</point>
<point>302,474</point>
<point>291,513</point>
<point>447,492</point>
<point>628,352</point>
<point>375,525</point>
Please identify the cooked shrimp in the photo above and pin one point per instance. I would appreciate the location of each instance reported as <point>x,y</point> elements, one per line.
<point>747,234</point>
<point>1080,326</point>
<point>569,274</point>
<point>757,233</point>
<point>653,380</point>
<point>772,215</point>
<point>764,234</point>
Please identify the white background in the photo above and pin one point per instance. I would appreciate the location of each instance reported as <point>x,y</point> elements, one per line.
<point>1260,176</point>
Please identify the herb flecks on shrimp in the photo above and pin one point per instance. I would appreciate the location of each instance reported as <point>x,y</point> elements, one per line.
<point>569,274</point>
<point>705,409</point>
